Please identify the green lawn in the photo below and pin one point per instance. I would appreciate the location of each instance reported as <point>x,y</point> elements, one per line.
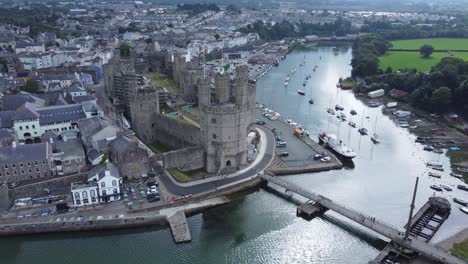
<point>412,60</point>
<point>162,80</point>
<point>437,43</point>
<point>160,148</point>
<point>460,249</point>
<point>185,176</point>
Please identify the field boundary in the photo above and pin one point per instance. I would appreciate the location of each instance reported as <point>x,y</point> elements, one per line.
<point>417,50</point>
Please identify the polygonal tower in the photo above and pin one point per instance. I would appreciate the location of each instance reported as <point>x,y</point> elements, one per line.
<point>143,108</point>
<point>226,112</point>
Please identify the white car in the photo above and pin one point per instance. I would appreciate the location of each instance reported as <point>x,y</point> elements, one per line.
<point>99,218</point>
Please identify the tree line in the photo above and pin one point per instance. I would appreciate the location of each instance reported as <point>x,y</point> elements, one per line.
<point>444,88</point>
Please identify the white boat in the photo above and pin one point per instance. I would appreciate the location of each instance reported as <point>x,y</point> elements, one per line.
<point>391,104</point>
<point>286,83</point>
<point>337,145</point>
<point>363,131</point>
<point>436,187</point>
<point>456,175</point>
<point>464,209</point>
<point>460,201</point>
<point>301,92</point>
<point>434,164</point>
<point>351,124</point>
<point>434,174</point>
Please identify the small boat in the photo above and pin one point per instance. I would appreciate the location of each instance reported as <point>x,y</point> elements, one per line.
<point>434,164</point>
<point>428,148</point>
<point>464,209</point>
<point>438,151</point>
<point>434,174</point>
<point>391,104</point>
<point>351,124</point>
<point>339,108</point>
<point>438,168</point>
<point>447,188</point>
<point>413,127</point>
<point>436,187</point>
<point>462,187</point>
<point>456,175</point>
<point>462,169</point>
<point>404,125</point>
<point>375,139</point>
<point>363,131</point>
<point>353,112</point>
<point>331,111</point>
<point>373,105</point>
<point>286,83</point>
<point>342,117</point>
<point>304,83</point>
<point>455,148</point>
<point>311,101</point>
<point>338,85</point>
<point>460,201</point>
<point>301,92</point>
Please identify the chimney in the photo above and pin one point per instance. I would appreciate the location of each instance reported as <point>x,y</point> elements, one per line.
<point>107,173</point>
<point>51,140</point>
<point>13,144</point>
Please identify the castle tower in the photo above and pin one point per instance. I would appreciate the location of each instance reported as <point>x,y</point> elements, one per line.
<point>143,107</point>
<point>225,120</point>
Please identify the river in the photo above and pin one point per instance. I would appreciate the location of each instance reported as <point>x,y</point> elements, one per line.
<point>260,227</point>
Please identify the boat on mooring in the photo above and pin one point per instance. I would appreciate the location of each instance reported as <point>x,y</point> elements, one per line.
<point>352,124</point>
<point>436,187</point>
<point>337,145</point>
<point>331,111</point>
<point>464,209</point>
<point>456,175</point>
<point>301,92</point>
<point>434,174</point>
<point>375,139</point>
<point>311,101</point>
<point>353,112</point>
<point>460,201</point>
<point>363,131</point>
<point>462,187</point>
<point>339,108</point>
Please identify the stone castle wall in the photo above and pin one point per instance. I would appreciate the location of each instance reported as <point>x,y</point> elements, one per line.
<point>186,159</point>
<point>171,132</point>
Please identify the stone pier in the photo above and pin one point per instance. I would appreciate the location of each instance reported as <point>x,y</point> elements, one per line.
<point>179,227</point>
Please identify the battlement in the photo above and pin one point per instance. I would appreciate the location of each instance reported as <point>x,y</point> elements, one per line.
<point>221,109</point>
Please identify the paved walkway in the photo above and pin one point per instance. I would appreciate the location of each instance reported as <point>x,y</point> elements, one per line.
<point>372,223</point>
<point>265,156</point>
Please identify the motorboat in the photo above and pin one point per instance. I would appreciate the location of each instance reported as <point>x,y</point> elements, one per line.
<point>353,112</point>
<point>434,174</point>
<point>339,108</point>
<point>436,187</point>
<point>456,175</point>
<point>434,164</point>
<point>462,187</point>
<point>363,131</point>
<point>460,201</point>
<point>301,92</point>
<point>331,111</point>
<point>351,124</point>
<point>464,209</point>
<point>375,139</point>
<point>332,142</point>
<point>428,148</point>
<point>311,101</point>
<point>342,117</point>
<point>438,151</point>
<point>446,188</point>
<point>438,168</point>
<point>286,83</point>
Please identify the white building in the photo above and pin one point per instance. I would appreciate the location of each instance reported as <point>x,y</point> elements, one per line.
<point>30,122</point>
<point>25,47</point>
<point>103,186</point>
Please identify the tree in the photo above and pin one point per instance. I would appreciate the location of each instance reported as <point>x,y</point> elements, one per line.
<point>216,36</point>
<point>441,99</point>
<point>125,49</point>
<point>426,50</point>
<point>233,10</point>
<point>31,86</point>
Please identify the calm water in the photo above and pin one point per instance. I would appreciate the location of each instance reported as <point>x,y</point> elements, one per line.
<point>262,228</point>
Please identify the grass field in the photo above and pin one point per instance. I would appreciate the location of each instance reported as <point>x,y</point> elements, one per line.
<point>412,60</point>
<point>437,43</point>
<point>161,80</point>
<point>461,249</point>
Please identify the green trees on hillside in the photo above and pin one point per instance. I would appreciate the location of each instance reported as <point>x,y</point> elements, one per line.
<point>426,50</point>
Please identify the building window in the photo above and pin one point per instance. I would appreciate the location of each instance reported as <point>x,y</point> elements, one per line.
<point>15,172</point>
<point>92,193</point>
<point>27,127</point>
<point>21,164</point>
<point>29,170</point>
<point>21,128</point>
<point>213,120</point>
<point>103,184</point>
<point>22,171</point>
<point>214,136</point>
<point>29,164</point>
<point>13,165</point>
<point>84,194</point>
<point>43,162</point>
<point>114,183</point>
<point>33,126</point>
<point>115,190</point>
<point>77,195</point>
<point>104,193</point>
<point>37,169</point>
<point>6,166</point>
<point>35,162</point>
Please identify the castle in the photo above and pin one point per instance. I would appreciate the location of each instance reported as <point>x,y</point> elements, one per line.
<point>226,109</point>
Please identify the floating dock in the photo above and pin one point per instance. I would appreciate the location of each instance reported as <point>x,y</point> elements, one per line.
<point>179,227</point>
<point>424,225</point>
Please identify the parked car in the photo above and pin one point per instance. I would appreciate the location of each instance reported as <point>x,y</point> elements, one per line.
<point>283,154</point>
<point>281,144</point>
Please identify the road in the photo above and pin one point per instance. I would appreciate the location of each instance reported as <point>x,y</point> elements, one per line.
<point>179,190</point>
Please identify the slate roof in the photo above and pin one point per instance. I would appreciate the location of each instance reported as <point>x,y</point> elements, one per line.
<point>12,102</point>
<point>24,153</point>
<point>114,171</point>
<point>5,119</point>
<point>84,98</point>
<point>4,133</point>
<point>120,144</point>
<point>25,112</point>
<point>71,149</point>
<point>93,154</point>
<point>62,113</point>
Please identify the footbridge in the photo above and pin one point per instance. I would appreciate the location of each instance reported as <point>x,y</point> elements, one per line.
<point>372,223</point>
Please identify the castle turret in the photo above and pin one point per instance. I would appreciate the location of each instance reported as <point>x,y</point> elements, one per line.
<point>143,107</point>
